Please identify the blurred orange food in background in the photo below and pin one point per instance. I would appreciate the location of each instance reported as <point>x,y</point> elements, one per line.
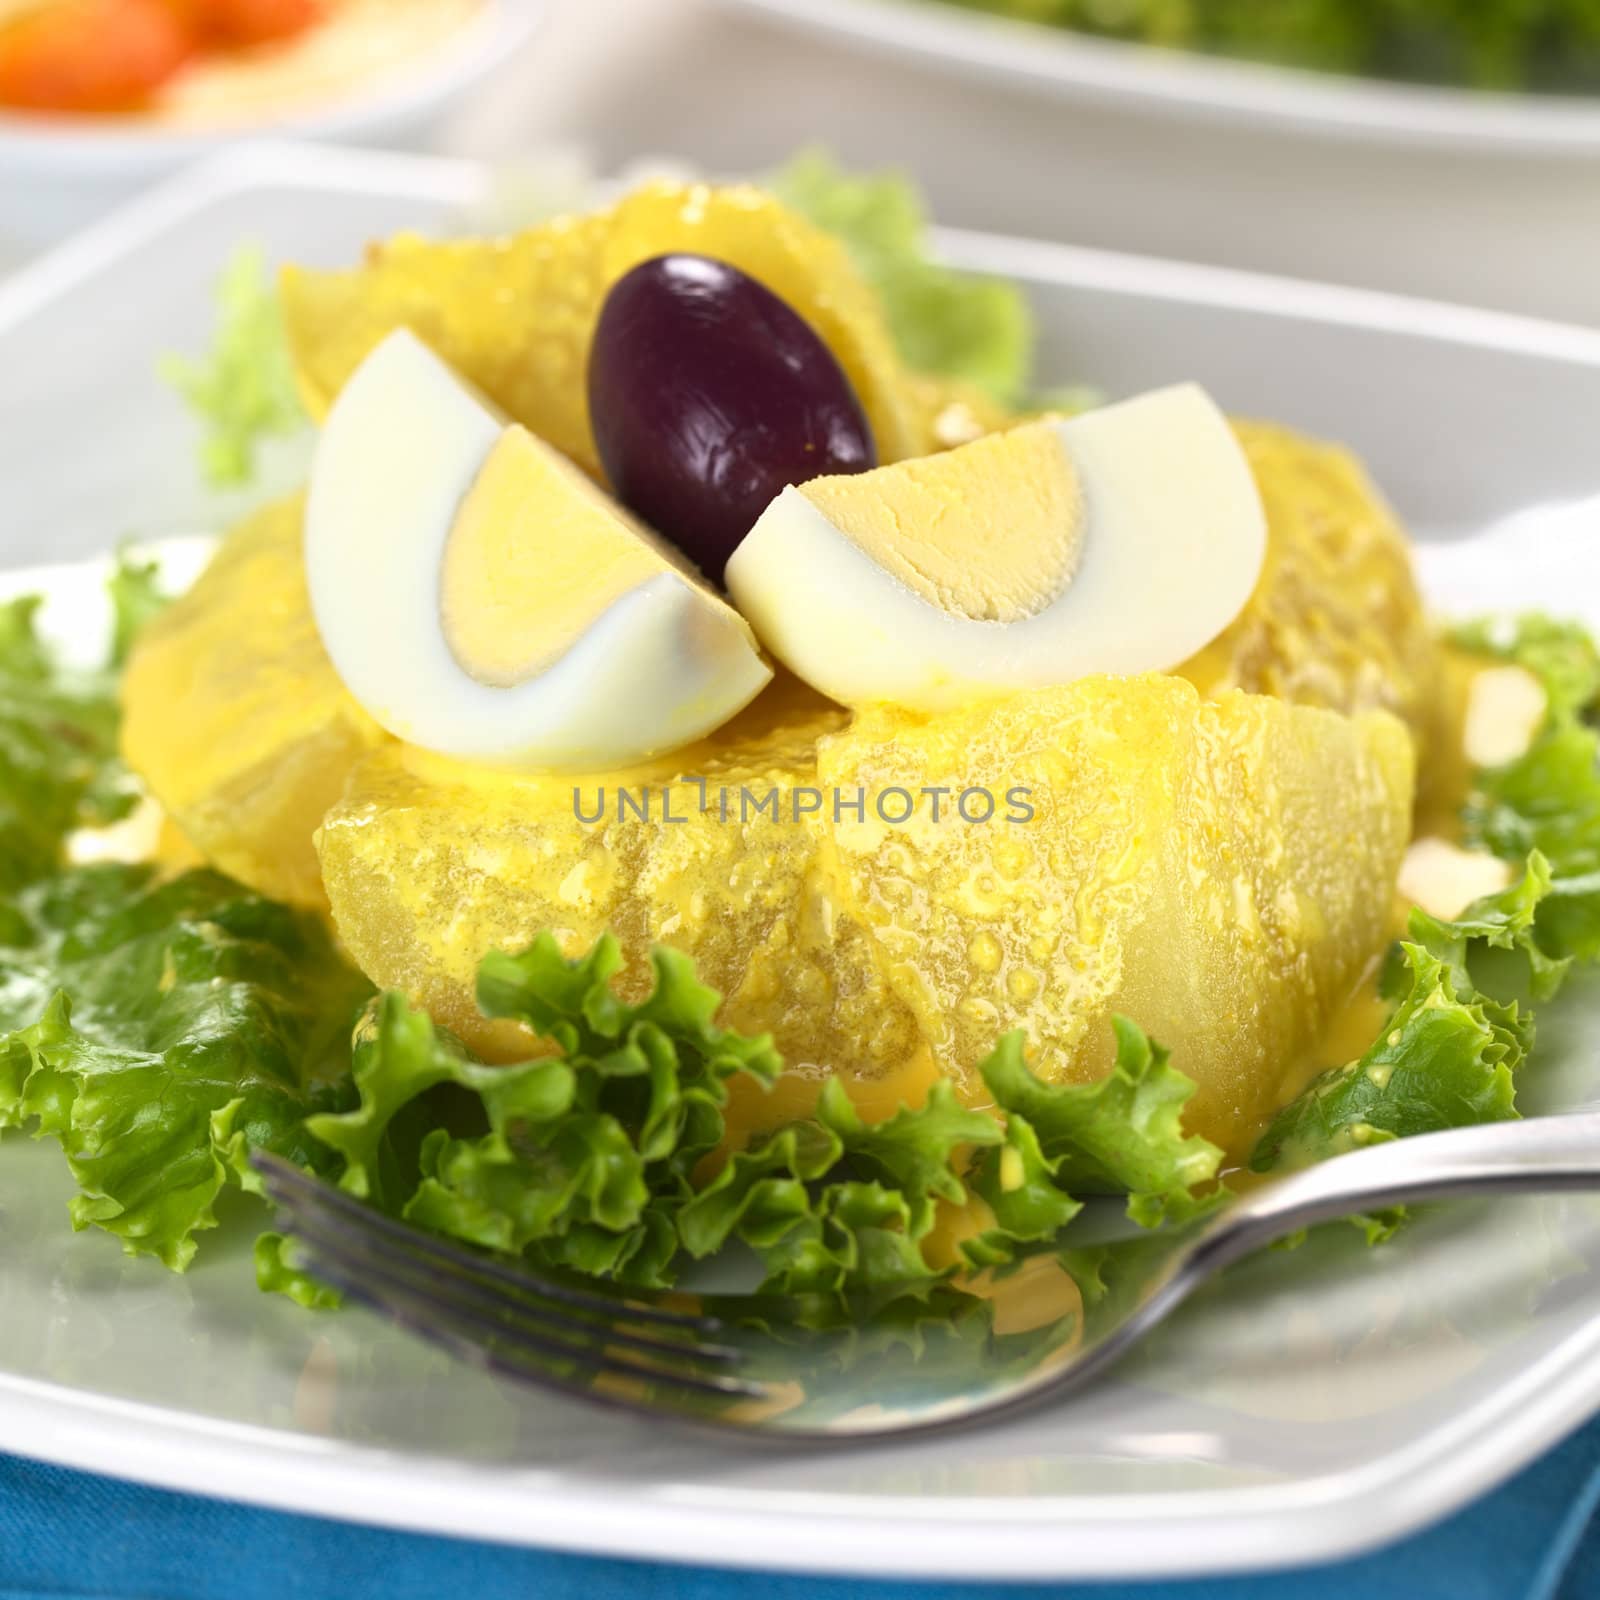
<point>236,23</point>
<point>113,55</point>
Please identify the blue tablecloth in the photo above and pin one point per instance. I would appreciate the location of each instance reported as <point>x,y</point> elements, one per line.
<point>70,1536</point>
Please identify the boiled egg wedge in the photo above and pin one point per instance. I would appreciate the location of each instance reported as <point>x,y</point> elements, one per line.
<point>1119,541</point>
<point>483,598</point>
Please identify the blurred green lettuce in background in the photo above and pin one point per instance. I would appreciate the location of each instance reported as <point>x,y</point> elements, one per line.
<point>1487,44</point>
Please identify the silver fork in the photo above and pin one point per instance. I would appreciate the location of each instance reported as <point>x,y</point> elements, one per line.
<point>795,1368</point>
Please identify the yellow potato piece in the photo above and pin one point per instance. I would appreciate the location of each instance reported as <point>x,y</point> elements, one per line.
<point>516,316</point>
<point>1336,619</point>
<point>234,716</point>
<point>1218,870</point>
<point>491,859</point>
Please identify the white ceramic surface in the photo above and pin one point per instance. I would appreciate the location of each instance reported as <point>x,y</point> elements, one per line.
<point>59,175</point>
<point>1181,84</point>
<point>1315,1404</point>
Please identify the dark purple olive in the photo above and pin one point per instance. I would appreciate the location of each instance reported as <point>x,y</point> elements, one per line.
<point>708,394</point>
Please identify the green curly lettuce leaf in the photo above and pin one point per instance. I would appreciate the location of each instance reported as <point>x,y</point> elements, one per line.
<point>662,1065</point>
<point>1445,1060</point>
<point>1121,1135</point>
<point>1460,1032</point>
<point>163,1031</point>
<point>1510,920</point>
<point>58,751</point>
<point>1548,799</point>
<point>949,323</point>
<point>594,1158</point>
<point>242,390</point>
<point>1449,1053</point>
<point>1017,1182</point>
<point>159,1030</point>
<point>59,767</point>
<point>136,598</point>
<point>915,1152</point>
<point>838,1203</point>
<point>578,1159</point>
<point>277,1273</point>
<point>1492,44</point>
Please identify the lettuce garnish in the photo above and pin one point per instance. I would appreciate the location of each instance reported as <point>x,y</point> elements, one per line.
<point>1445,1058</point>
<point>59,769</point>
<point>578,1159</point>
<point>835,1203</point>
<point>136,596</point>
<point>161,1031</point>
<point>1460,1032</point>
<point>1548,799</point>
<point>242,390</point>
<point>952,324</point>
<point>593,1158</point>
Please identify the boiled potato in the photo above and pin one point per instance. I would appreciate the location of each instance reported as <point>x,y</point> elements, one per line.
<point>235,718</point>
<point>1336,619</point>
<point>492,858</point>
<point>1218,870</point>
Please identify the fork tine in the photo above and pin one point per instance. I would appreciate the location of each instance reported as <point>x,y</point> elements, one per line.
<point>473,1354</point>
<point>497,1297</point>
<point>287,1185</point>
<point>486,1341</point>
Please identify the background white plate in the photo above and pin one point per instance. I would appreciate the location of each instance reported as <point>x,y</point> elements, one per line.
<point>1184,84</point>
<point>1314,1405</point>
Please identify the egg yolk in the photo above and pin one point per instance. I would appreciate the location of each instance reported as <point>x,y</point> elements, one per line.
<point>536,554</point>
<point>941,528</point>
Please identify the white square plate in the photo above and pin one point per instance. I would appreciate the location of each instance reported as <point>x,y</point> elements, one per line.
<point>1313,1405</point>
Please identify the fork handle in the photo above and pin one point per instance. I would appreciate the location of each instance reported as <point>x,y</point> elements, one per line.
<point>1540,1155</point>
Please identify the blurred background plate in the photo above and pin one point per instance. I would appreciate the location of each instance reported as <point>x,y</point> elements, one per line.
<point>733,88</point>
<point>58,173</point>
<point>738,86</point>
<point>1314,1404</point>
<point>1191,86</point>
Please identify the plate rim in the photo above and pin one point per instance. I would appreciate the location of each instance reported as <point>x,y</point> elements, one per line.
<point>461,182</point>
<point>1190,1532</point>
<point>1178,83</point>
